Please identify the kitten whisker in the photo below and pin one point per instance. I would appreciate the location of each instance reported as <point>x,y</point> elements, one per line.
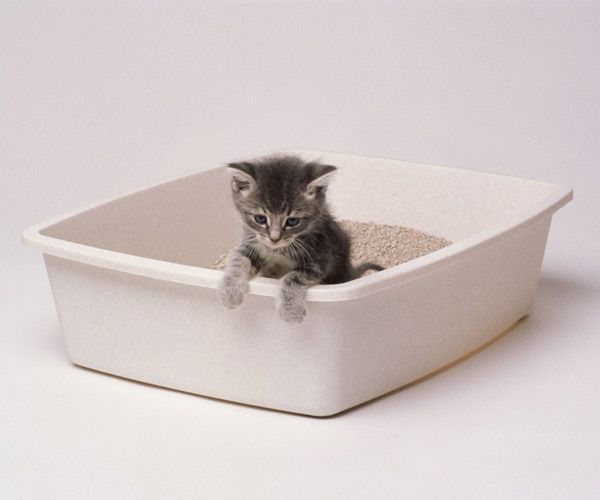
<point>302,254</point>
<point>252,250</point>
<point>293,252</point>
<point>290,250</point>
<point>302,246</point>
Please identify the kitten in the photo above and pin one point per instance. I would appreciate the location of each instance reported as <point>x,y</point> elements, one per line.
<point>288,233</point>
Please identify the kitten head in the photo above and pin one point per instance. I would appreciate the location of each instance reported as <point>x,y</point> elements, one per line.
<point>279,198</point>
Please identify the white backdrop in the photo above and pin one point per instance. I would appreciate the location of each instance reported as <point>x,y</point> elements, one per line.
<point>98,98</point>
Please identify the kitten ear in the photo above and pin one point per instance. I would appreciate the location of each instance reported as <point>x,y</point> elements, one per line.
<point>242,177</point>
<point>319,178</point>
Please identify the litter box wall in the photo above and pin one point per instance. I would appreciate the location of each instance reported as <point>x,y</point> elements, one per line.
<point>132,301</point>
<point>345,353</point>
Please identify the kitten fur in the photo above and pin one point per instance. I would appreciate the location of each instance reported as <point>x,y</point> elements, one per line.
<point>288,232</point>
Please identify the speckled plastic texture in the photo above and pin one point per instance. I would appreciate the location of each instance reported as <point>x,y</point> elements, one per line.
<point>136,298</point>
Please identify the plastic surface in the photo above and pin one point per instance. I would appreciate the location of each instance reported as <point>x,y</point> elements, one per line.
<point>135,298</point>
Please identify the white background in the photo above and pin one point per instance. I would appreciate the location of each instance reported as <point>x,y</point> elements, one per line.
<point>99,98</point>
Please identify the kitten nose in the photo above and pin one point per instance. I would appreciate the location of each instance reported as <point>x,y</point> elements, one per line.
<point>274,236</point>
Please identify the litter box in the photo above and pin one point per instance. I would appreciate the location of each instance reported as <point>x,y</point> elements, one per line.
<point>136,297</point>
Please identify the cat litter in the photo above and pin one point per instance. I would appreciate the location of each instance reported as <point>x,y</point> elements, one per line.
<point>136,297</point>
<point>381,243</point>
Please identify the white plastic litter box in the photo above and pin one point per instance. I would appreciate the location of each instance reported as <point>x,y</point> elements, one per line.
<point>136,298</point>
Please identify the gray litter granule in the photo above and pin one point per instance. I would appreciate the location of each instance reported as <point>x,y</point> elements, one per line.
<point>381,243</point>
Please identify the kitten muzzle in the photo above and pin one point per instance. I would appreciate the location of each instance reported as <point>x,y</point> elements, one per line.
<point>275,244</point>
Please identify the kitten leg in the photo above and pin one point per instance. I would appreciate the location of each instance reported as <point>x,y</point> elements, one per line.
<point>234,285</point>
<point>290,303</point>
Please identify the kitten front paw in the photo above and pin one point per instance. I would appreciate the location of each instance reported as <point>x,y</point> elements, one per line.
<point>291,312</point>
<point>231,296</point>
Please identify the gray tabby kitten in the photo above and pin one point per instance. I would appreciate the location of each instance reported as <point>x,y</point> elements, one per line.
<point>288,233</point>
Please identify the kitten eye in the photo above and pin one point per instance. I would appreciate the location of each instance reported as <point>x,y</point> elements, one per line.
<point>260,218</point>
<point>292,221</point>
